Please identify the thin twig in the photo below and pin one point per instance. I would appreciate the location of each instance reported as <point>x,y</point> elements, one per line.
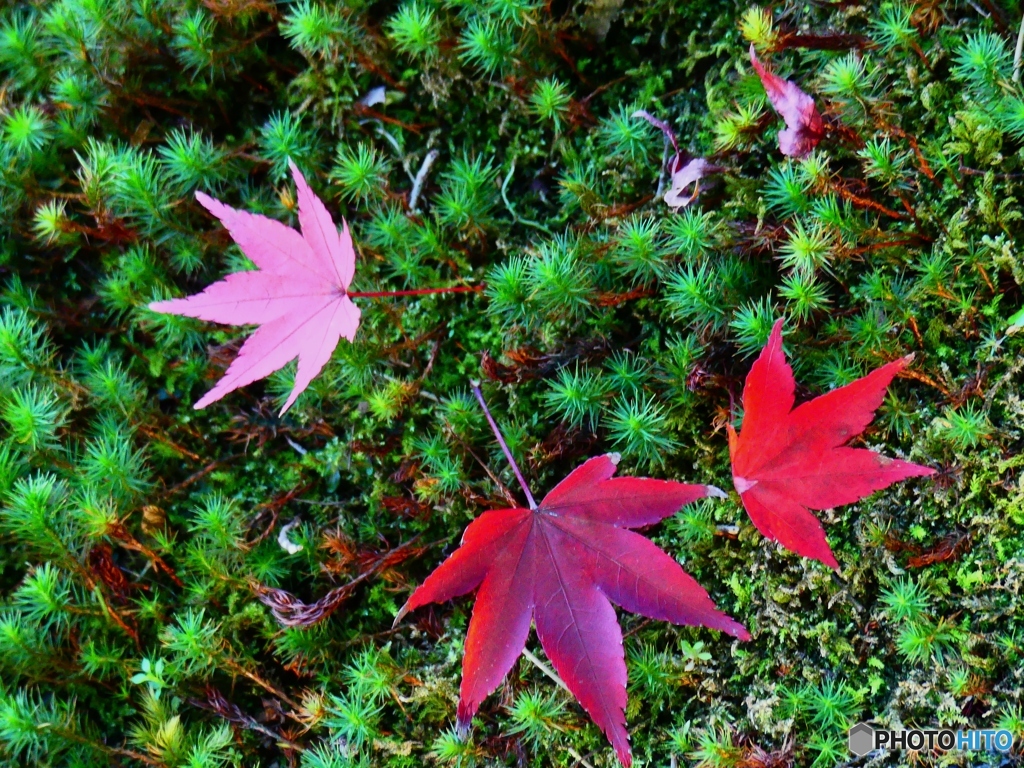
<point>1001,382</point>
<point>1017,54</point>
<point>421,178</point>
<point>637,628</point>
<point>979,10</point>
<point>201,473</point>
<point>670,140</point>
<point>66,733</point>
<point>124,537</point>
<point>238,669</point>
<point>501,441</point>
<point>511,209</point>
<point>217,703</point>
<point>153,434</point>
<point>546,670</point>
<point>975,172</point>
<point>430,362</point>
<point>578,757</point>
<point>663,175</point>
<point>863,202</point>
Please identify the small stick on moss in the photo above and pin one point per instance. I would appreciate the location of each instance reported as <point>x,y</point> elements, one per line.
<point>578,757</point>
<point>511,208</point>
<point>1019,52</point>
<point>201,474</point>
<point>421,178</point>
<point>546,670</point>
<point>663,175</point>
<point>154,434</point>
<point>217,703</point>
<point>238,669</point>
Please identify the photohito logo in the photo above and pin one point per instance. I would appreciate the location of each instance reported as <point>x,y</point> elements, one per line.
<point>863,739</point>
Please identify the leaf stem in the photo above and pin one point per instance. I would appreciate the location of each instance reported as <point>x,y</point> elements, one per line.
<point>504,446</point>
<point>545,669</point>
<point>414,292</point>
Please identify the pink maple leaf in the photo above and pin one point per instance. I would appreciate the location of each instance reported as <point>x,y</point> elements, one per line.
<point>804,126</point>
<point>298,296</point>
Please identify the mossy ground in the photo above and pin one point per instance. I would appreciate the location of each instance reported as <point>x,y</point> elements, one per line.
<point>136,532</point>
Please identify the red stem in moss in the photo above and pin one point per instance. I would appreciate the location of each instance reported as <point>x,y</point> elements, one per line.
<point>414,292</point>
<point>503,444</point>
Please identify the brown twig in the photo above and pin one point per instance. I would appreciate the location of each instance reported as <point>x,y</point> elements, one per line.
<point>863,202</point>
<point>915,375</point>
<point>505,491</point>
<point>829,42</point>
<point>155,435</point>
<point>292,612</point>
<point>217,703</point>
<point>614,299</point>
<point>922,161</point>
<point>238,669</point>
<point>274,505</point>
<point>912,321</point>
<point>128,541</point>
<point>201,474</point>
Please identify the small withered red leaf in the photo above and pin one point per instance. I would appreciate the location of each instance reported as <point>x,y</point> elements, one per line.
<point>787,461</point>
<point>562,565</point>
<point>804,126</point>
<point>686,171</point>
<point>685,184</point>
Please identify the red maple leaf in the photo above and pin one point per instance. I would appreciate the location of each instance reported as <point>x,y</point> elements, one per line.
<point>298,295</point>
<point>788,460</point>
<point>804,126</point>
<point>563,563</point>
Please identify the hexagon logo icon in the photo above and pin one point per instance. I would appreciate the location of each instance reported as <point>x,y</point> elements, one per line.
<point>862,739</point>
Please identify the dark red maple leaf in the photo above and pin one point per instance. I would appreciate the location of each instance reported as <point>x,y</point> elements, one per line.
<point>562,563</point>
<point>788,461</point>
